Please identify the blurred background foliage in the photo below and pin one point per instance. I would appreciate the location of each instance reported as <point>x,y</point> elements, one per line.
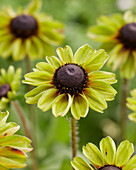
<point>52,135</point>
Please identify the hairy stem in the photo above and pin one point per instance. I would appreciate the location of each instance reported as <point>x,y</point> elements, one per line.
<point>124,109</point>
<point>27,132</point>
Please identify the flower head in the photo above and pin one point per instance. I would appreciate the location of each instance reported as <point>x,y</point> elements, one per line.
<point>13,148</point>
<point>131,104</point>
<point>9,84</point>
<point>71,82</point>
<point>118,36</point>
<point>107,158</point>
<point>28,32</point>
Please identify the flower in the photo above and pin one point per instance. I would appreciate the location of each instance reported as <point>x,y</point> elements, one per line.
<point>28,33</point>
<point>118,36</point>
<point>9,84</point>
<point>131,104</point>
<point>107,158</point>
<point>71,82</point>
<point>13,148</point>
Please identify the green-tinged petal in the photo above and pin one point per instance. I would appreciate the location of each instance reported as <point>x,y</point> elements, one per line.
<point>34,6</point>
<point>46,100</point>
<point>129,17</point>
<point>33,96</point>
<point>43,66</point>
<point>3,117</point>
<point>132,117</point>
<point>79,107</point>
<point>124,152</point>
<point>12,95</point>
<point>37,78</point>
<point>131,165</point>
<point>133,93</point>
<point>3,168</point>
<point>3,74</point>
<point>104,89</point>
<point>54,61</point>
<point>3,102</point>
<point>94,155</point>
<point>103,76</point>
<point>18,142</point>
<point>131,103</point>
<point>108,150</point>
<point>82,54</point>
<point>95,100</point>
<point>61,105</point>
<point>4,51</point>
<point>79,164</point>
<point>12,158</point>
<point>10,74</point>
<point>65,55</point>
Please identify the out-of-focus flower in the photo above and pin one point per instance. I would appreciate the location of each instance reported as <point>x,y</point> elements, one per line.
<point>118,36</point>
<point>28,32</point>
<point>9,84</point>
<point>107,158</point>
<point>13,148</point>
<point>71,82</point>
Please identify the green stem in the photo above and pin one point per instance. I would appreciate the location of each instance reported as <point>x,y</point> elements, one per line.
<point>124,109</point>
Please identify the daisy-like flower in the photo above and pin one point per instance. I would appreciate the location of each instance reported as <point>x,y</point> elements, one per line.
<point>13,148</point>
<point>107,158</point>
<point>131,104</point>
<point>71,82</point>
<point>28,32</point>
<point>9,84</point>
<point>118,36</point>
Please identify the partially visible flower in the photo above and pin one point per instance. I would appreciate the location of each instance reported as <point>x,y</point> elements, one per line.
<point>107,158</point>
<point>13,148</point>
<point>71,82</point>
<point>118,36</point>
<point>131,104</point>
<point>28,32</point>
<point>9,84</point>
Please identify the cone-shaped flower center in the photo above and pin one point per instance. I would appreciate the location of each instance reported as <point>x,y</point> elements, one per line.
<point>70,78</point>
<point>127,35</point>
<point>24,26</point>
<point>4,90</point>
<point>109,167</point>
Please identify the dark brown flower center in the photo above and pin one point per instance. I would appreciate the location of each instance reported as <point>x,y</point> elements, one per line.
<point>24,26</point>
<point>127,35</point>
<point>4,90</point>
<point>70,78</point>
<point>109,167</point>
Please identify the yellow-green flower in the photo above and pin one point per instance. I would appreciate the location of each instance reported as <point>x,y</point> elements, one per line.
<point>13,148</point>
<point>71,82</point>
<point>107,158</point>
<point>28,32</point>
<point>9,84</point>
<point>118,36</point>
<point>131,104</point>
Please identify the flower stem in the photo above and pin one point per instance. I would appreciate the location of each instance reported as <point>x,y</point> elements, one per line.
<point>74,137</point>
<point>124,109</point>
<point>21,115</point>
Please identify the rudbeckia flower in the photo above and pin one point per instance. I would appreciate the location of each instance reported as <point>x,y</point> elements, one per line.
<point>107,158</point>
<point>13,148</point>
<point>71,82</point>
<point>131,104</point>
<point>118,36</point>
<point>9,84</point>
<point>28,32</point>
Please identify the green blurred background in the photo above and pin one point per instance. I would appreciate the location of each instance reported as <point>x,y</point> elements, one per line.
<point>52,135</point>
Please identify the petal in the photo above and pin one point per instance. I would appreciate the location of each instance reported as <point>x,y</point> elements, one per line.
<point>131,165</point>
<point>46,100</point>
<point>132,117</point>
<point>133,93</point>
<point>104,89</point>
<point>65,55</point>
<point>95,100</point>
<point>79,164</point>
<point>61,105</point>
<point>82,54</point>
<point>131,103</point>
<point>103,76</point>
<point>43,66</point>
<point>108,150</point>
<point>3,117</point>
<point>79,107</point>
<point>54,61</point>
<point>94,155</point>
<point>33,96</point>
<point>124,152</point>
